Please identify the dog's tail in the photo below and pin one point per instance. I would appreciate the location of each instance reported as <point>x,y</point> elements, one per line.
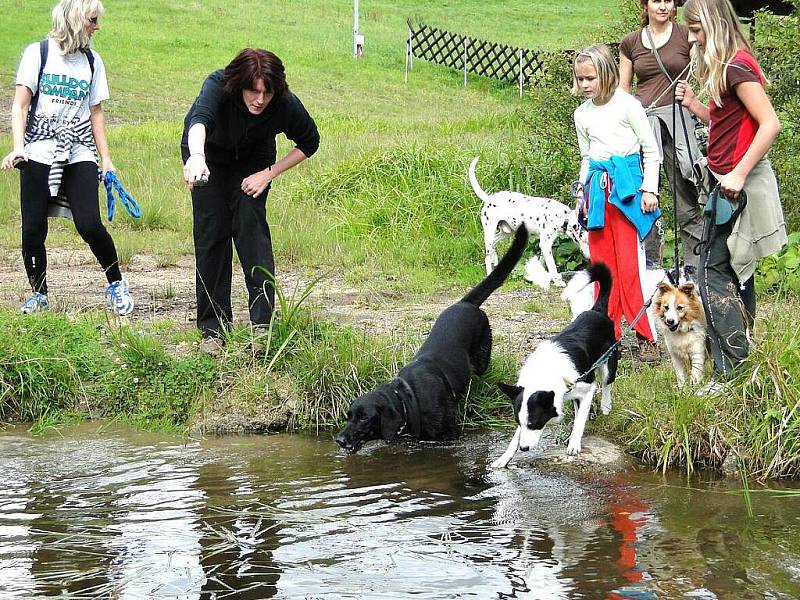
<point>476,187</point>
<point>600,273</point>
<point>495,279</point>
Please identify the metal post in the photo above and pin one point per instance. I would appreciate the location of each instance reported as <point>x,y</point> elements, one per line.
<point>465,61</point>
<point>358,39</point>
<point>408,54</point>
<point>410,49</point>
<point>520,74</point>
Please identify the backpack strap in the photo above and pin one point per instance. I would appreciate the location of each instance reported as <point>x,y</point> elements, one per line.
<point>90,57</point>
<point>43,47</point>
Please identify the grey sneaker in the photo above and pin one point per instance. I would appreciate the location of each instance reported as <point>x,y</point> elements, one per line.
<point>712,388</point>
<point>34,303</point>
<point>119,298</point>
<point>212,346</point>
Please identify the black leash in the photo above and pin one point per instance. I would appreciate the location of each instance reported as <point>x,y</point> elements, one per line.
<point>674,273</point>
<point>605,356</point>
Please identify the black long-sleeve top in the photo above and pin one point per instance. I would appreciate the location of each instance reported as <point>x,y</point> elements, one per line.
<point>238,138</point>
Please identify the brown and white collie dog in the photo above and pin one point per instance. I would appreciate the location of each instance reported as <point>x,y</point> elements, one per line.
<point>680,317</point>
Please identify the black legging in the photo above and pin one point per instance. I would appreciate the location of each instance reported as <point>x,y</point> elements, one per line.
<point>79,184</point>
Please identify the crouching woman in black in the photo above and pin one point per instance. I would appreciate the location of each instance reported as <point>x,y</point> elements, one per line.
<point>228,149</point>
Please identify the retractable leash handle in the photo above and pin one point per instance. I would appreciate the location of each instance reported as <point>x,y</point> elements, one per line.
<point>575,187</point>
<point>19,162</point>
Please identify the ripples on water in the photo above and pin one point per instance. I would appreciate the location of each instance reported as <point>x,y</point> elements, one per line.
<point>132,515</point>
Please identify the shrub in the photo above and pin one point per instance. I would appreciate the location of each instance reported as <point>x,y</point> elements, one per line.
<point>776,45</point>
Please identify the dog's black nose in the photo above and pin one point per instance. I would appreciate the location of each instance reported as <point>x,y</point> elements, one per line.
<point>339,439</point>
<point>523,448</point>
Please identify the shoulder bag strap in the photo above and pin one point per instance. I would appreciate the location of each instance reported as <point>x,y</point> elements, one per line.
<point>654,50</point>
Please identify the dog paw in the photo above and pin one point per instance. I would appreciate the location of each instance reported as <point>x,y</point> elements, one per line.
<point>606,410</point>
<point>559,283</point>
<point>574,449</point>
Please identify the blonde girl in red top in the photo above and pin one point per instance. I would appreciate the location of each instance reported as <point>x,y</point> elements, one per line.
<point>742,127</point>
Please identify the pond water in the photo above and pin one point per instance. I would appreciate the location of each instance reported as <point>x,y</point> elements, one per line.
<point>97,512</point>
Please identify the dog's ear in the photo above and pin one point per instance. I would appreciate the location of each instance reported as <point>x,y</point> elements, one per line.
<point>391,422</point>
<point>689,289</point>
<point>663,288</point>
<point>547,400</point>
<point>512,391</point>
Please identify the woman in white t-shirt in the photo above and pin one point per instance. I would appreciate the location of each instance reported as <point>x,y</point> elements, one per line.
<point>58,130</point>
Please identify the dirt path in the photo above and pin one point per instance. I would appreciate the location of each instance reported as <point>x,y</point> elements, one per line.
<point>167,292</point>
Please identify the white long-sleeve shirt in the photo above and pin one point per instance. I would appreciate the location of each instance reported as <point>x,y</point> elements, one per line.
<point>618,127</point>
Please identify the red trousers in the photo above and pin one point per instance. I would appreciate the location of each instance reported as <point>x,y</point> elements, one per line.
<point>617,245</point>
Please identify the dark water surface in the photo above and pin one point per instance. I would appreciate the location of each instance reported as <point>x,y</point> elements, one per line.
<point>109,513</point>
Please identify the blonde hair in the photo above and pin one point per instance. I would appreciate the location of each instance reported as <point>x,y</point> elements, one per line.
<point>724,36</point>
<point>604,65</point>
<point>69,24</point>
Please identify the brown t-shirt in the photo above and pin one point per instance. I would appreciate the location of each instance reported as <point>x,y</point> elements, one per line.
<point>650,81</point>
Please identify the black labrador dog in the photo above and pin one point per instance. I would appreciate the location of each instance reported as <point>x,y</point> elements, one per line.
<point>422,401</point>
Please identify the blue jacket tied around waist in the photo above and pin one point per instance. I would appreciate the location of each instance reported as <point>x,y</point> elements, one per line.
<point>625,173</point>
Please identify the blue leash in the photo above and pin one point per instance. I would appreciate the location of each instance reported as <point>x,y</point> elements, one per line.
<point>112,183</point>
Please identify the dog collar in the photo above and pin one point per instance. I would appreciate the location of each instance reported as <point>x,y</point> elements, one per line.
<point>412,396</point>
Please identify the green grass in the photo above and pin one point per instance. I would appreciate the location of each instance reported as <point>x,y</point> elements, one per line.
<point>53,369</point>
<point>158,56</point>
<point>756,418</point>
<point>385,201</point>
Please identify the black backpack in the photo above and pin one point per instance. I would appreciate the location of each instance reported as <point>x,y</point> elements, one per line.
<point>43,48</point>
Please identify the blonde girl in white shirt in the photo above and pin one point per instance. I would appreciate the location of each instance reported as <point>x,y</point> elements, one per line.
<point>619,175</point>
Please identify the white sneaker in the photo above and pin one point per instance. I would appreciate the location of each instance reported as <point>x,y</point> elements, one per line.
<point>34,303</point>
<point>712,388</point>
<point>119,298</point>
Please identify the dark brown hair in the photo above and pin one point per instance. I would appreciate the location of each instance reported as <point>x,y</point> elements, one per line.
<point>252,64</point>
<point>646,18</point>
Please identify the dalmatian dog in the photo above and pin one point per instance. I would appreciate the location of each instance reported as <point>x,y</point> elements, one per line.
<point>503,212</point>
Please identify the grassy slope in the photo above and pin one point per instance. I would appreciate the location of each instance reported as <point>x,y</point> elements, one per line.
<point>158,56</point>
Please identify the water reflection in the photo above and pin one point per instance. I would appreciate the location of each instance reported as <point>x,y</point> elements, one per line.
<point>131,515</point>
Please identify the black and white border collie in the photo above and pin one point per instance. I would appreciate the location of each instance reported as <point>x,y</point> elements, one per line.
<point>551,375</point>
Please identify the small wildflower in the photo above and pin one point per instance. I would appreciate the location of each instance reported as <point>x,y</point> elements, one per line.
<point>135,380</point>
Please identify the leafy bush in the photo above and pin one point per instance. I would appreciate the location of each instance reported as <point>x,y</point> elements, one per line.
<point>776,45</point>
<point>781,272</point>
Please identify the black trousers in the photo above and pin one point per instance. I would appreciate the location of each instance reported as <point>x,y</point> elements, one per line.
<point>223,213</point>
<point>730,305</point>
<point>79,184</point>
<point>688,211</point>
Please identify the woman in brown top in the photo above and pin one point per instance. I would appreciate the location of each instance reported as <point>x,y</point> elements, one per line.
<point>660,33</point>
